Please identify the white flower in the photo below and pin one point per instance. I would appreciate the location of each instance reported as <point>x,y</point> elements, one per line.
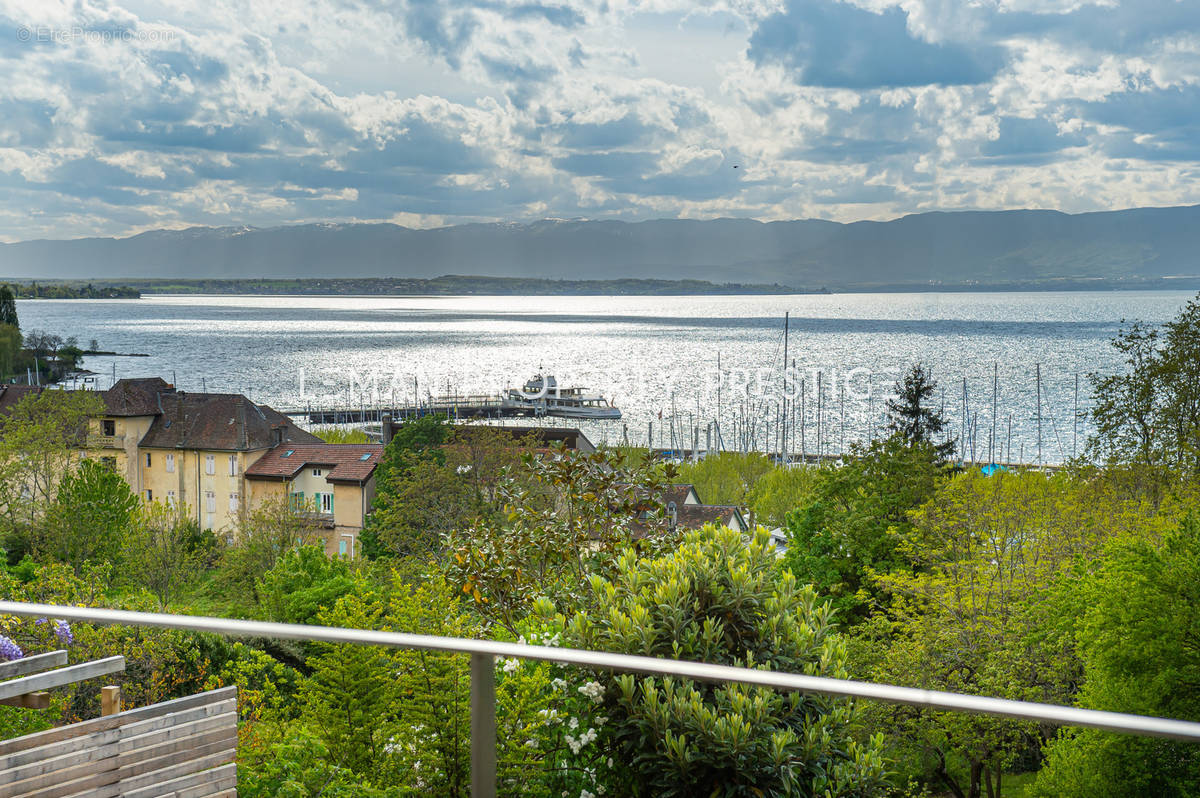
<point>586,794</point>
<point>511,665</point>
<point>559,684</point>
<point>594,691</point>
<point>574,724</point>
<point>531,743</point>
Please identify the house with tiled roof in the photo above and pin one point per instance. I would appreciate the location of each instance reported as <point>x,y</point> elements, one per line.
<point>189,449</point>
<point>335,481</point>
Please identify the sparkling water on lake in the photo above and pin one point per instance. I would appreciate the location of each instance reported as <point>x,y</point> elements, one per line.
<point>651,355</point>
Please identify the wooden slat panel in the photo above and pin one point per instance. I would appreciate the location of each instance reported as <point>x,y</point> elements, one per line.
<point>38,662</point>
<point>178,770</point>
<point>39,739</point>
<point>58,760</point>
<point>132,731</point>
<point>184,748</point>
<point>81,743</point>
<point>217,775</point>
<point>62,676</point>
<point>97,784</point>
<point>225,787</point>
<point>202,745</point>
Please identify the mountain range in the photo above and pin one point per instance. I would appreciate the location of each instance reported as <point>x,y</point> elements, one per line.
<point>926,249</point>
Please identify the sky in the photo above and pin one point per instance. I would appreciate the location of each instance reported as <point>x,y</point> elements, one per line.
<point>120,117</point>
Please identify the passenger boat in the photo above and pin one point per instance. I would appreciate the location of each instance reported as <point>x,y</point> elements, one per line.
<point>544,396</point>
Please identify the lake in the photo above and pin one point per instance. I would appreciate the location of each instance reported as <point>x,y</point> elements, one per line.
<point>651,355</point>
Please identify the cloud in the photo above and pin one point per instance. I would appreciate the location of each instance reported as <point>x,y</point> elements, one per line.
<point>121,115</point>
<point>838,45</point>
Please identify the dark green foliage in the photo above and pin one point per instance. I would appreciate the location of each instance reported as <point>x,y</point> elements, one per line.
<point>720,599</point>
<point>1150,414</point>
<point>8,307</point>
<point>912,414</point>
<point>298,764</point>
<point>843,533</point>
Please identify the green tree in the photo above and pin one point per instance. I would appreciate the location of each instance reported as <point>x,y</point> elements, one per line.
<point>266,533</point>
<point>41,439</point>
<point>8,308</point>
<point>1150,413</point>
<point>1137,632</point>
<point>163,550</point>
<point>304,583</point>
<point>846,531</point>
<point>567,517</point>
<point>721,599</point>
<point>911,413</point>
<point>10,348</point>
<point>727,477</point>
<point>971,613</point>
<point>90,520</point>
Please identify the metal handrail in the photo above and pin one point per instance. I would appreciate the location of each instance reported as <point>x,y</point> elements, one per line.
<point>484,652</point>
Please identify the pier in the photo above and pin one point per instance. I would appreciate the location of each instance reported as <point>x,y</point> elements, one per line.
<point>467,406</point>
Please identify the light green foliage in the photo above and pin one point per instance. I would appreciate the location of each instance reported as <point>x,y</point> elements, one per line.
<point>40,440</point>
<point>303,584</point>
<point>394,716</point>
<point>721,599</point>
<point>971,614</point>
<point>266,687</point>
<point>296,763</point>
<point>781,490</point>
<point>1138,620</point>
<point>90,519</point>
<point>164,550</point>
<point>843,532</point>
<point>265,534</point>
<point>727,477</point>
<point>1150,413</point>
<point>340,434</point>
<point>569,516</point>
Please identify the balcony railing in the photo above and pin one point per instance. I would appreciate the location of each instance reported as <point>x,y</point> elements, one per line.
<point>483,678</point>
<point>107,441</point>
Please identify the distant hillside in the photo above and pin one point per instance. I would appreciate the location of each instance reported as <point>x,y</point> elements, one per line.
<point>999,247</point>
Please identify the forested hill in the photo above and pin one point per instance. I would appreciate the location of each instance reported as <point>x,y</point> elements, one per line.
<point>1009,248</point>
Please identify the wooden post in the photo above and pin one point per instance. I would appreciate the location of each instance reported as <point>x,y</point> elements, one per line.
<point>110,700</point>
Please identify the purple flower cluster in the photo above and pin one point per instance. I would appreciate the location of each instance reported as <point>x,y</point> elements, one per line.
<point>9,650</point>
<point>62,630</point>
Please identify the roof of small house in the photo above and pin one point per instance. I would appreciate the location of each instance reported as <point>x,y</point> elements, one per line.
<point>347,462</point>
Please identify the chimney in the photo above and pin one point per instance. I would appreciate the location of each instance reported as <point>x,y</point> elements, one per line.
<point>277,434</point>
<point>385,429</point>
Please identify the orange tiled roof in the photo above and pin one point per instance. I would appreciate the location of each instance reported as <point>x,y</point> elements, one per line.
<point>348,462</point>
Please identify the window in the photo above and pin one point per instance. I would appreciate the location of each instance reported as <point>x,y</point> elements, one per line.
<point>324,502</point>
<point>235,502</point>
<point>170,498</point>
<point>210,464</point>
<point>149,495</point>
<point>210,501</point>
<point>108,427</point>
<point>316,472</point>
<point>297,499</point>
<point>170,464</point>
<point>233,465</point>
<point>342,547</point>
<point>147,459</point>
<point>109,462</point>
